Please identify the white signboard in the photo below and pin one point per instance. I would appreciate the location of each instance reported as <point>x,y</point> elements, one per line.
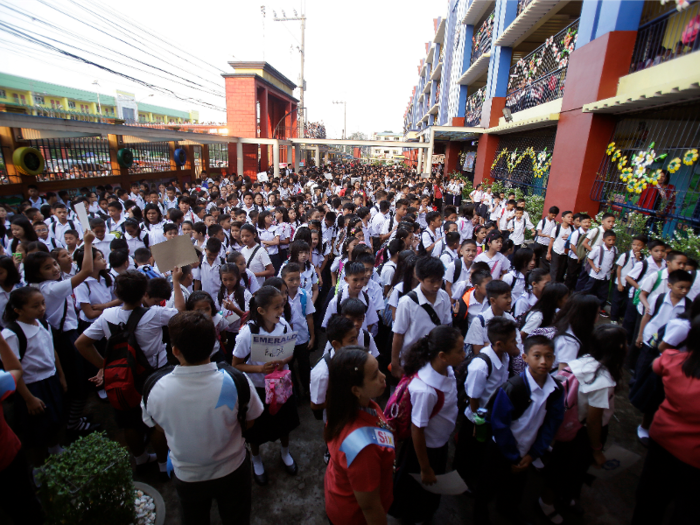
<point>82,216</point>
<point>266,348</point>
<point>262,177</point>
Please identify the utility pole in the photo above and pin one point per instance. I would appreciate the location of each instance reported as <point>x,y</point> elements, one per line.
<point>99,106</point>
<point>301,112</point>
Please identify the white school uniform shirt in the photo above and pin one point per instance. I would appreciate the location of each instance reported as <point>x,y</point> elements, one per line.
<point>499,265</point>
<point>388,272</point>
<point>560,239</point>
<point>695,289</point>
<point>170,204</point>
<point>371,317</point>
<point>377,223</point>
<point>479,384</point>
<point>465,229</point>
<point>92,291</point>
<point>268,235</point>
<point>258,263</point>
<point>566,348</point>
<point>423,400</point>
<point>299,323</point>
<point>506,216</point>
<point>196,455</point>
<point>606,265</point>
<point>527,426</point>
<point>428,238</point>
<point>39,361</point>
<point>103,245</point>
<point>627,261</point>
<point>318,386</point>
<point>394,295</point>
<point>596,387</point>
<point>57,230</point>
<point>495,211</point>
<point>478,334</point>
<point>523,303</point>
<point>654,290</point>
<point>414,322</point>
<point>667,312</point>
<point>149,332</point>
<point>254,284</point>
<point>448,257</point>
<point>57,295</point>
<point>648,280</point>
<point>51,243</point>
<point>243,347</point>
<point>676,333</point>
<point>209,276</point>
<point>170,303</point>
<point>547,228</point>
<point>135,243</point>
<point>113,226</point>
<point>592,233</point>
<point>518,234</point>
<point>450,272</point>
<point>518,287</point>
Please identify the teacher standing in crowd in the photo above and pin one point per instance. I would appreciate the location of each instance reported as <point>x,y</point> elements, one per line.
<point>358,484</point>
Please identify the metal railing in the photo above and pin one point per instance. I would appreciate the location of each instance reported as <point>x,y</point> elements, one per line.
<point>473,107</point>
<point>78,158</point>
<point>218,155</point>
<point>150,157</point>
<point>482,40</point>
<point>544,89</point>
<point>670,36</point>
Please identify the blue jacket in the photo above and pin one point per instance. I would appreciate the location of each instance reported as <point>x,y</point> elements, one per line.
<point>509,403</point>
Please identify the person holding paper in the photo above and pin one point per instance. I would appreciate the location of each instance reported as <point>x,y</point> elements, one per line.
<point>266,319</point>
<point>358,485</point>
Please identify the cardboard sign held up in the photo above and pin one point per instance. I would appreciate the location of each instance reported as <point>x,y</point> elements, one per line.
<point>266,348</point>
<point>328,176</point>
<point>353,180</point>
<point>262,177</point>
<point>425,175</point>
<point>177,252</point>
<point>82,216</point>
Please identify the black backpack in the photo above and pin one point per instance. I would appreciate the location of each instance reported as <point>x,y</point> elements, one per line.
<point>518,392</point>
<point>658,337</point>
<point>340,300</point>
<point>239,380</point>
<point>21,337</point>
<point>428,309</point>
<point>461,376</point>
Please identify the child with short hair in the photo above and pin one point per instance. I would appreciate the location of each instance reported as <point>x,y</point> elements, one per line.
<point>70,241</point>
<point>557,258</point>
<point>144,263</point>
<point>594,238</point>
<point>355,282</point>
<point>545,228</point>
<point>459,269</point>
<point>473,301</point>
<point>571,245</point>
<point>517,226</point>
<point>500,299</point>
<point>497,262</point>
<point>625,263</point>
<point>601,260</point>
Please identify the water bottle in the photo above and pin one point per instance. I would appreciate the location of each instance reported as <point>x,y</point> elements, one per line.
<point>480,421</point>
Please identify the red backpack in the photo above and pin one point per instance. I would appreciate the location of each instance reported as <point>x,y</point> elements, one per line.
<point>126,367</point>
<point>398,409</point>
<point>570,425</point>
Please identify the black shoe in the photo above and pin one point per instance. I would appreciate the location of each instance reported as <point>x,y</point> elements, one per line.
<point>291,470</point>
<point>260,479</point>
<point>83,429</point>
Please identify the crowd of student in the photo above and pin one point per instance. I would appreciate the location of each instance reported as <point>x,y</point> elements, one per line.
<point>491,339</point>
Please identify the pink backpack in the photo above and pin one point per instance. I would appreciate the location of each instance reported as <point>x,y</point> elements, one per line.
<point>278,389</point>
<point>570,425</point>
<point>398,410</point>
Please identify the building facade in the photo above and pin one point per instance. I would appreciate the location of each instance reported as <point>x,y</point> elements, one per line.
<point>535,92</point>
<point>33,97</point>
<point>388,153</point>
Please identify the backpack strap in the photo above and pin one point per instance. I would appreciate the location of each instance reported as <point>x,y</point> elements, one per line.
<point>659,302</point>
<point>428,309</point>
<point>21,337</point>
<point>518,392</point>
<point>151,381</point>
<point>487,360</point>
<point>367,340</point>
<point>252,255</point>
<point>458,269</point>
<point>243,389</point>
<point>131,325</point>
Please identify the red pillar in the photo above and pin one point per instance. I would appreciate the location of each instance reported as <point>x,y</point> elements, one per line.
<point>241,120</point>
<point>488,144</point>
<point>264,128</point>
<point>593,74</point>
<point>452,157</point>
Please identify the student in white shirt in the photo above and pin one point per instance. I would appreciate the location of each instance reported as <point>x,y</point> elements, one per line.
<point>198,395</point>
<point>555,251</point>
<point>517,226</point>
<point>94,295</point>
<point>432,235</point>
<point>256,256</point>
<point>459,269</point>
<point>433,393</point>
<point>574,264</point>
<point>654,285</point>
<point>595,238</point>
<point>524,262</point>
<point>602,261</point>
<point>209,268</point>
<point>544,229</point>
<point>499,297</point>
<point>498,263</point>
<point>575,323</point>
<point>420,310</point>
<point>269,237</point>
<point>450,248</point>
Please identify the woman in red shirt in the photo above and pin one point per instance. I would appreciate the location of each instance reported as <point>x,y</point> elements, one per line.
<point>358,483</point>
<point>672,466</point>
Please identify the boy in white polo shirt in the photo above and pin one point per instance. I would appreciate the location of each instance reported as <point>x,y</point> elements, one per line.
<point>602,261</point>
<point>198,395</point>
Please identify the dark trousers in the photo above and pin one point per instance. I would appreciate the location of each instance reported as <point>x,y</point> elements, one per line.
<point>17,497</point>
<point>558,267</point>
<point>232,495</point>
<point>573,267</point>
<point>301,377</point>
<point>666,479</point>
<point>619,303</point>
<point>631,320</point>
<point>583,277</point>
<point>276,261</point>
<point>449,199</point>
<point>598,287</point>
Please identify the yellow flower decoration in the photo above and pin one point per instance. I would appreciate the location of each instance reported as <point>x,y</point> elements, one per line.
<point>616,155</point>
<point>622,163</point>
<point>674,165</point>
<point>611,148</point>
<point>690,157</point>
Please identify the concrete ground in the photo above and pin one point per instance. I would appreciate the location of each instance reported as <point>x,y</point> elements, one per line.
<point>299,499</point>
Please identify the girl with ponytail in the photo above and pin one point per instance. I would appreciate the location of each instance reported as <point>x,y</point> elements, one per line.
<point>433,392</point>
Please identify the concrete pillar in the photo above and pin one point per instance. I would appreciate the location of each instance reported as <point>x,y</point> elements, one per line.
<point>429,155</point>
<point>239,158</point>
<point>317,155</point>
<point>297,156</point>
<point>276,159</point>
<point>289,155</point>
<point>419,164</point>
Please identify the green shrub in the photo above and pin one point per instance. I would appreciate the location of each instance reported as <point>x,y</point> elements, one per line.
<point>90,483</point>
<point>684,240</point>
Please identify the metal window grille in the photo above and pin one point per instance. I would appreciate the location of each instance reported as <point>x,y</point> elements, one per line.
<point>4,178</point>
<point>540,76</point>
<point>481,41</point>
<point>669,36</point>
<point>218,155</point>
<point>473,107</point>
<point>523,160</point>
<point>78,158</point>
<point>150,157</point>
<point>668,139</point>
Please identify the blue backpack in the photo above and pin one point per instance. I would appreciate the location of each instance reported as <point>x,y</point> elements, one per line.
<point>149,272</point>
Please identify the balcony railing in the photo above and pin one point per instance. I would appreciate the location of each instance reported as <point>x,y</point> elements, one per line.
<point>481,41</point>
<point>670,36</point>
<point>539,77</point>
<point>472,110</point>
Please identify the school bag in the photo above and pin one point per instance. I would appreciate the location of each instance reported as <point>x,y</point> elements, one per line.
<point>638,292</point>
<point>149,272</point>
<point>460,318</point>
<point>427,307</point>
<point>21,337</point>
<point>398,409</point>
<point>518,391</point>
<point>658,337</point>
<point>421,246</point>
<point>340,300</point>
<point>580,249</point>
<point>126,367</point>
<point>239,380</point>
<point>461,376</point>
<point>570,425</point>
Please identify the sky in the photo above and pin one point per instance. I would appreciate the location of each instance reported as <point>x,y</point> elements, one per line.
<point>365,53</point>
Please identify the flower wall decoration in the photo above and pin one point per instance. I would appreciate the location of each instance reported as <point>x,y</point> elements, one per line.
<point>690,157</point>
<point>540,162</point>
<point>674,165</point>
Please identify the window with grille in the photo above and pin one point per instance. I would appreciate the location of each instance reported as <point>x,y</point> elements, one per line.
<point>79,158</point>
<point>38,99</point>
<point>651,165</point>
<point>71,104</point>
<point>218,155</point>
<point>523,160</point>
<point>3,94</point>
<point>150,157</point>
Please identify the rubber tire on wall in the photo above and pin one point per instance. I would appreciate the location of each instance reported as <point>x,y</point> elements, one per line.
<point>180,156</point>
<point>28,161</point>
<point>125,157</point>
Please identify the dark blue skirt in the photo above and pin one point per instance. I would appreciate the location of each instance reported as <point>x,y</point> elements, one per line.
<point>39,430</point>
